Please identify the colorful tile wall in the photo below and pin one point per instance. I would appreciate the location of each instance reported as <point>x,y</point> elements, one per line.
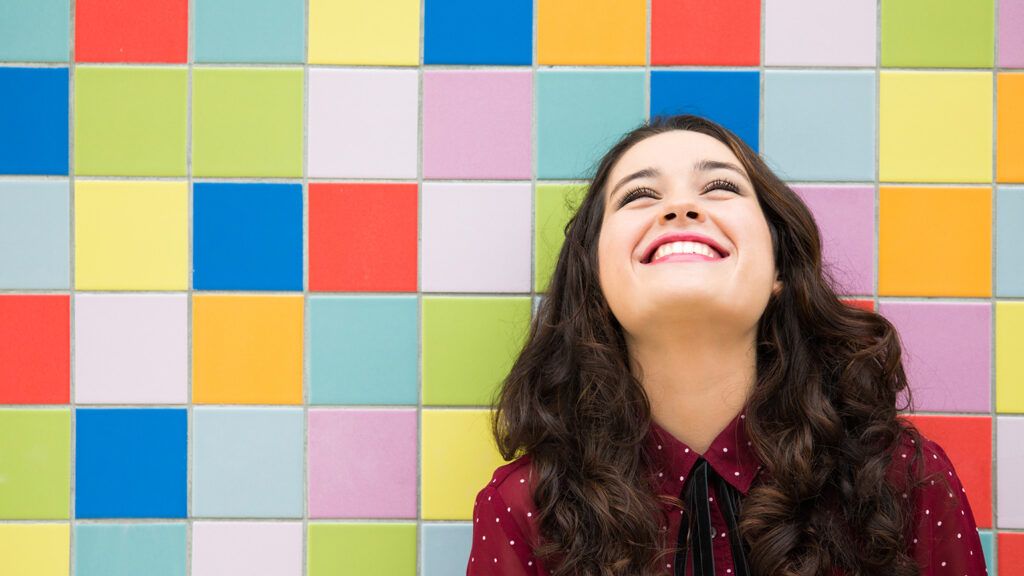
<point>264,263</point>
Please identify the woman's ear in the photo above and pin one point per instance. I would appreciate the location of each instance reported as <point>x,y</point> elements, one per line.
<point>777,287</point>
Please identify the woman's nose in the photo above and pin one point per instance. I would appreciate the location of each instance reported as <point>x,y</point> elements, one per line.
<point>689,214</point>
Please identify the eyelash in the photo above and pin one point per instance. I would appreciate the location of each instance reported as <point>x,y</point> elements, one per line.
<point>718,184</point>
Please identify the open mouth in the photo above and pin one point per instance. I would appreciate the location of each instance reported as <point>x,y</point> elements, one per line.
<point>689,249</point>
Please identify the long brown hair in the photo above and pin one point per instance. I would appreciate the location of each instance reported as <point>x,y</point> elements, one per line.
<point>823,415</point>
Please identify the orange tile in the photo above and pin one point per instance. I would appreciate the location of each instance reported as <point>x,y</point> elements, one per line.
<point>1010,127</point>
<point>592,32</point>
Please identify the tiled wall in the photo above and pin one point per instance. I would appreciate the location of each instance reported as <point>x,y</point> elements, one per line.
<point>263,262</point>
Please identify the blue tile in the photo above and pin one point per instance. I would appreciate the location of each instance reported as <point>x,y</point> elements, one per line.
<point>35,230</point>
<point>730,98</point>
<point>446,548</point>
<point>34,121</point>
<point>363,350</point>
<point>247,236</point>
<point>130,549</point>
<point>988,548</point>
<point>474,32</point>
<point>1009,240</point>
<point>130,463</point>
<point>250,30</point>
<point>580,114</point>
<point>35,30</point>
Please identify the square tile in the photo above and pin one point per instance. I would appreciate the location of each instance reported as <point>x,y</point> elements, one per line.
<point>1009,364</point>
<point>366,548</point>
<point>35,329</point>
<point>249,548</point>
<point>35,464</point>
<point>131,235</point>
<point>351,226</point>
<point>915,142</point>
<point>362,463</point>
<point>36,549</point>
<point>1010,127</point>
<point>918,258</point>
<point>247,349</point>
<point>446,548</point>
<point>592,32</point>
<point>130,549</point>
<point>272,31</point>
<point>845,216</point>
<point>459,457</point>
<point>556,203</point>
<point>469,345</point>
<point>130,121</point>
<point>35,234</point>
<point>476,237</point>
<point>1011,41</point>
<point>131,349</point>
<point>1010,435</point>
<point>247,236</point>
<point>820,125</point>
<point>469,32</point>
<point>385,32</point>
<point>730,98</point>
<point>917,33</point>
<point>692,32</point>
<point>363,123</point>
<point>821,33</point>
<point>948,370</point>
<point>247,462</point>
<point>1011,552</point>
<point>580,114</point>
<point>247,122</point>
<point>34,116</point>
<point>130,463</point>
<point>35,31</point>
<point>363,349</point>
<point>1009,239</point>
<point>131,30</point>
<point>477,124</point>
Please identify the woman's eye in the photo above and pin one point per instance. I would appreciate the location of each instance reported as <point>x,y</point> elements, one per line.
<point>722,185</point>
<point>636,193</point>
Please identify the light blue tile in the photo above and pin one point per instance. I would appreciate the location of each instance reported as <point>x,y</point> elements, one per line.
<point>446,548</point>
<point>130,549</point>
<point>1009,240</point>
<point>363,350</point>
<point>988,547</point>
<point>249,30</point>
<point>247,462</point>
<point>35,230</point>
<point>820,125</point>
<point>35,30</point>
<point>580,114</point>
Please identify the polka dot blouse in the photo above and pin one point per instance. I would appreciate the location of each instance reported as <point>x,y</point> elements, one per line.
<point>945,539</point>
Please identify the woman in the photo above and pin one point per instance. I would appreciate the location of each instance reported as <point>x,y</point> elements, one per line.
<point>693,398</point>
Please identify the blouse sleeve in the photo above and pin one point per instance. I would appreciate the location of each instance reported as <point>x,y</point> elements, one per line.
<point>498,544</point>
<point>945,540</point>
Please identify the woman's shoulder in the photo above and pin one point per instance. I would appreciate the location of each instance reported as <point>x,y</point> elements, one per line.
<point>510,491</point>
<point>932,462</point>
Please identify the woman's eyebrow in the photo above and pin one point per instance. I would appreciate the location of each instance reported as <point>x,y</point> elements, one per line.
<point>648,172</point>
<point>708,165</point>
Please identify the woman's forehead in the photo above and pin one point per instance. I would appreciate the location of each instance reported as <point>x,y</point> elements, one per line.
<point>677,149</point>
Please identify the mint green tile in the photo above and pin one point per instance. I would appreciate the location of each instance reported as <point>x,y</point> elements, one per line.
<point>555,204</point>
<point>35,30</point>
<point>469,345</point>
<point>366,549</point>
<point>130,549</point>
<point>35,464</point>
<point>247,122</point>
<point>130,121</point>
<point>938,33</point>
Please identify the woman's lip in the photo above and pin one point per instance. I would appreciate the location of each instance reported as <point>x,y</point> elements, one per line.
<point>676,257</point>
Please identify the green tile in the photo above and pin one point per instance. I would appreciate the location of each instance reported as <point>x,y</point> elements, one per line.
<point>469,345</point>
<point>938,33</point>
<point>365,549</point>
<point>35,464</point>
<point>130,121</point>
<point>555,204</point>
<point>247,122</point>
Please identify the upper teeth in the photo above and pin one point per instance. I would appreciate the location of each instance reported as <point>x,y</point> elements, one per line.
<point>684,248</point>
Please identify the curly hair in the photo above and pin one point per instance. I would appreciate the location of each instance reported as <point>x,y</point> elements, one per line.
<point>822,415</point>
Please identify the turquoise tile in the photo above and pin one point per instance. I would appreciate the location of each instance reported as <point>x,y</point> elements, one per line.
<point>1009,240</point>
<point>34,30</point>
<point>247,462</point>
<point>820,125</point>
<point>249,30</point>
<point>363,350</point>
<point>35,230</point>
<point>130,549</point>
<point>446,548</point>
<point>988,547</point>
<point>582,113</point>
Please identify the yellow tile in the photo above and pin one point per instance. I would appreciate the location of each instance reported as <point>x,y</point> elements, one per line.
<point>459,458</point>
<point>1009,360</point>
<point>131,235</point>
<point>246,349</point>
<point>935,127</point>
<point>609,32</point>
<point>935,241</point>
<point>1010,128</point>
<point>382,32</point>
<point>35,549</point>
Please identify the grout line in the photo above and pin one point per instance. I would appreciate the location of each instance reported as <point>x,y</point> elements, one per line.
<point>993,396</point>
<point>72,351</point>
<point>420,549</point>
<point>190,416</point>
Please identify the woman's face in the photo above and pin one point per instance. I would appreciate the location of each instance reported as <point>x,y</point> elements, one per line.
<point>676,183</point>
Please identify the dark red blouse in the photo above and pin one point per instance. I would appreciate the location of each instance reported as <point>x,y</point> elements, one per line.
<point>945,541</point>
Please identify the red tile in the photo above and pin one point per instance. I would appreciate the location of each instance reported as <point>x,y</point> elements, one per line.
<point>131,31</point>
<point>1011,552</point>
<point>35,349</point>
<point>697,32</point>
<point>362,237</point>
<point>867,305</point>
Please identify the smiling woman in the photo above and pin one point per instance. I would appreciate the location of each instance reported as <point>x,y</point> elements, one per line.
<point>693,397</point>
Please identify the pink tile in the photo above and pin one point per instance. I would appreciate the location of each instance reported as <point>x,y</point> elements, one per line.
<point>131,348</point>
<point>362,463</point>
<point>1011,33</point>
<point>247,548</point>
<point>846,220</point>
<point>477,124</point>
<point>820,33</point>
<point>947,349</point>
